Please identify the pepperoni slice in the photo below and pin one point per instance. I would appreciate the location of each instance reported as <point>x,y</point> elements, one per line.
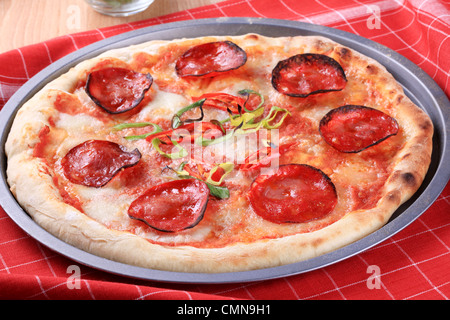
<point>353,128</point>
<point>309,73</point>
<point>294,193</point>
<point>117,90</point>
<point>210,59</point>
<point>94,163</point>
<point>172,206</point>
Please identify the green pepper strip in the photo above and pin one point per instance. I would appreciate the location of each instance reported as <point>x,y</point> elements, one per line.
<point>227,167</point>
<point>156,129</point>
<point>174,155</point>
<point>247,92</point>
<point>244,124</point>
<point>266,121</point>
<point>176,120</point>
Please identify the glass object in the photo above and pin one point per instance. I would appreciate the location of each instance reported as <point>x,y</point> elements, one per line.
<point>119,8</point>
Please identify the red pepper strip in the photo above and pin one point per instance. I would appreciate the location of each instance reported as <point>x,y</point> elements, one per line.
<point>271,153</point>
<point>217,175</point>
<point>201,170</point>
<point>222,101</point>
<point>164,136</point>
<point>169,136</point>
<point>192,173</point>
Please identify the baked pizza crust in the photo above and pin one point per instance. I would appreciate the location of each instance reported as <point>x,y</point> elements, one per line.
<point>34,188</point>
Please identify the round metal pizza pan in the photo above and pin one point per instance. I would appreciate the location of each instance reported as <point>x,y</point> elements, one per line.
<point>417,85</point>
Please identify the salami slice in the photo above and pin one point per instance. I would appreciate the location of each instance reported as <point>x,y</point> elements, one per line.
<point>210,59</point>
<point>353,128</point>
<point>309,73</point>
<point>117,90</point>
<point>294,193</point>
<point>172,206</point>
<point>94,163</point>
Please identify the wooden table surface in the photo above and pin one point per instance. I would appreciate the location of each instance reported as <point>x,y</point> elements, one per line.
<point>24,22</point>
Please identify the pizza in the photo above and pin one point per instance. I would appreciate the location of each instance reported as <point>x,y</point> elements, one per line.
<point>218,153</point>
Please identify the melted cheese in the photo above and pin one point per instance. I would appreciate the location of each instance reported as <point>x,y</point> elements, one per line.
<point>78,123</point>
<point>228,220</point>
<point>164,105</point>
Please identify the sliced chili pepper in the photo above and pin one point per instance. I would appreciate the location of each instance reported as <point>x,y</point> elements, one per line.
<point>191,172</point>
<point>223,101</point>
<point>215,190</point>
<point>172,206</point>
<point>117,90</point>
<point>94,163</point>
<point>354,128</point>
<point>294,193</point>
<point>217,175</point>
<point>210,59</point>
<point>164,136</point>
<point>309,73</point>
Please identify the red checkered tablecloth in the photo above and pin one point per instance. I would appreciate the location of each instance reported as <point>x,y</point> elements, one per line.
<point>413,264</point>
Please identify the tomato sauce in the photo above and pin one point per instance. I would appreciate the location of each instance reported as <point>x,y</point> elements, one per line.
<point>39,150</point>
<point>234,220</point>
